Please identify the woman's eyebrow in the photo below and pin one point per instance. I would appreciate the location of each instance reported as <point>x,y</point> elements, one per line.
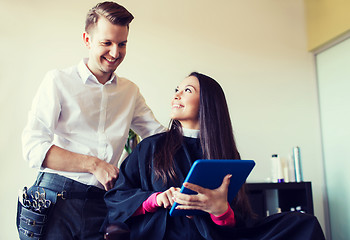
<point>189,85</point>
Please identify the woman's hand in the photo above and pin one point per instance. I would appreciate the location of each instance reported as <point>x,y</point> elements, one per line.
<point>165,199</point>
<point>211,201</point>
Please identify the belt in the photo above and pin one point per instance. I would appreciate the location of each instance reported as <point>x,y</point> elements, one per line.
<point>81,195</point>
<point>70,189</point>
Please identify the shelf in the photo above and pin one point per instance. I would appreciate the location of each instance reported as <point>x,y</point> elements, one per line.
<point>268,198</point>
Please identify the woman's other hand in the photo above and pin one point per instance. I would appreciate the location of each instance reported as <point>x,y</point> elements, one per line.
<point>165,199</point>
<point>211,201</point>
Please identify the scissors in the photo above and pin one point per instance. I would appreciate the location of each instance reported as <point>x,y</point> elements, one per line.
<point>44,203</point>
<point>40,195</point>
<point>24,198</point>
<point>40,202</point>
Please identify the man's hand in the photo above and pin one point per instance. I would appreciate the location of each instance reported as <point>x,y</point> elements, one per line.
<point>105,173</point>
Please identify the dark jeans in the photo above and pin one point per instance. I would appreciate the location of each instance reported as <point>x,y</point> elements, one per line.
<point>73,218</point>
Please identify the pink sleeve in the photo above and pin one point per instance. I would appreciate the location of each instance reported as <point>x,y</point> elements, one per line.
<point>150,205</point>
<point>225,219</point>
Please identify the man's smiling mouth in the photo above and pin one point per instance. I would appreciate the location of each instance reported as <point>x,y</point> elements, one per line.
<point>111,60</point>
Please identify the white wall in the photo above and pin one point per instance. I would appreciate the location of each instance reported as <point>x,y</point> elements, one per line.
<point>256,49</point>
<point>333,84</point>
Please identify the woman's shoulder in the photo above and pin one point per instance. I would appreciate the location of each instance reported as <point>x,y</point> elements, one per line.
<point>145,149</point>
<point>147,146</point>
<point>153,140</point>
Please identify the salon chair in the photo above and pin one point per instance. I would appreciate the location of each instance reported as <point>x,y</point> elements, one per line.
<point>117,231</point>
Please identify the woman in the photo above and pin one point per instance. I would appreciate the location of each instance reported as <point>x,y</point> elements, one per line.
<point>150,178</point>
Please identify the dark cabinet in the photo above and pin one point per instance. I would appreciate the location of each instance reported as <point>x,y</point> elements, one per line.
<point>270,198</point>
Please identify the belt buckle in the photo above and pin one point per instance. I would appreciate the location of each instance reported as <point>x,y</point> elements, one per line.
<point>62,195</point>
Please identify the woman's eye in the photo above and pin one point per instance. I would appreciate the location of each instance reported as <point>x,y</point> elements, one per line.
<point>188,90</point>
<point>176,90</point>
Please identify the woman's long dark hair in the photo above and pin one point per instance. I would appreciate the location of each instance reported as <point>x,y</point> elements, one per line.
<point>216,137</point>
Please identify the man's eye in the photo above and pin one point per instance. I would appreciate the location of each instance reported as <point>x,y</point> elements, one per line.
<point>106,43</point>
<point>122,44</point>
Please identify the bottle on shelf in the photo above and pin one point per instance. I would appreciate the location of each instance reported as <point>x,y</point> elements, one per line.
<point>276,169</point>
<point>297,165</point>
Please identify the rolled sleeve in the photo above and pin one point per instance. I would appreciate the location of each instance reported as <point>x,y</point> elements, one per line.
<point>35,144</point>
<point>144,123</point>
<point>38,134</point>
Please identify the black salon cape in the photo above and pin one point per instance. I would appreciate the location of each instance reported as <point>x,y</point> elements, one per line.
<point>136,183</point>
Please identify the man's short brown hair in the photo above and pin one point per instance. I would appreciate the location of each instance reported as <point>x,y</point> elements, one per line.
<point>112,11</point>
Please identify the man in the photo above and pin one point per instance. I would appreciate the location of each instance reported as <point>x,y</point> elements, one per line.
<point>79,123</point>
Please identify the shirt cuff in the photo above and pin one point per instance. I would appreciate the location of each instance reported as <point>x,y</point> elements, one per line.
<point>150,205</point>
<point>225,219</point>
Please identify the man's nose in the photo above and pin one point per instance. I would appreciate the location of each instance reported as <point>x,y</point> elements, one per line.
<point>114,51</point>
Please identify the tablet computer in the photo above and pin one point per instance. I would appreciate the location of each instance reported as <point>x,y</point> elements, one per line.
<point>210,173</point>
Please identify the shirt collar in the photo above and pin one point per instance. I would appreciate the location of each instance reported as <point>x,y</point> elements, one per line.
<point>192,133</point>
<point>87,76</point>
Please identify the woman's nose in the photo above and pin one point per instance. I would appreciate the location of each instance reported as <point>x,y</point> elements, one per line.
<point>177,95</point>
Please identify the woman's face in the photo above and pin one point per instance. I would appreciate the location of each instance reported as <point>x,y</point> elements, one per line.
<point>185,103</point>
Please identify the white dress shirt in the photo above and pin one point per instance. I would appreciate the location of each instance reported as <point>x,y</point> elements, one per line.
<point>72,110</point>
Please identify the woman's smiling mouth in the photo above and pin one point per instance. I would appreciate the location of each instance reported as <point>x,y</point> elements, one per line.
<point>177,106</point>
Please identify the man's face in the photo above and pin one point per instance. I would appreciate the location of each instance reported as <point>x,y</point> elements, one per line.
<point>107,48</point>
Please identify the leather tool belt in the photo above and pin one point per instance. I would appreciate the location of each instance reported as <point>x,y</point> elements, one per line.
<point>33,208</point>
<point>35,204</point>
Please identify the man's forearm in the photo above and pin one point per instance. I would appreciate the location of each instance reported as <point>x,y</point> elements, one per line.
<point>63,160</point>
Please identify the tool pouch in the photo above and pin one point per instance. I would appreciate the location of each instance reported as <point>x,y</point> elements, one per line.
<point>33,209</point>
